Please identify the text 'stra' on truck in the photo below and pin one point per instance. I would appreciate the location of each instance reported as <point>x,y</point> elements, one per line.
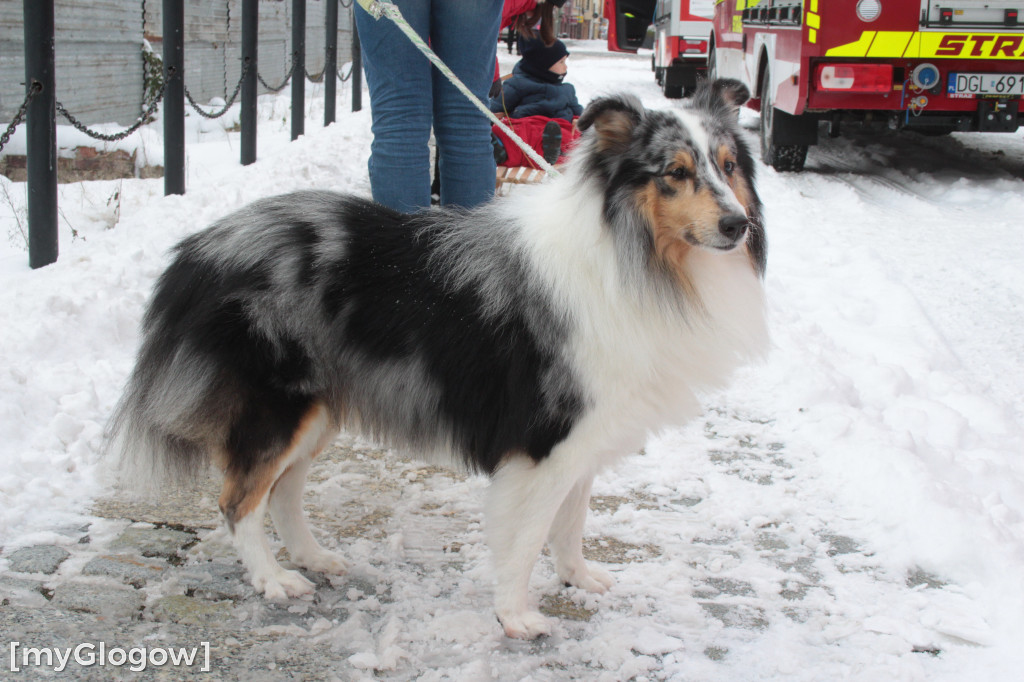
<point>815,65</point>
<point>680,41</point>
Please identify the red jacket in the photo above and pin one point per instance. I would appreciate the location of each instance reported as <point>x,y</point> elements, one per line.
<point>513,8</point>
<point>509,11</point>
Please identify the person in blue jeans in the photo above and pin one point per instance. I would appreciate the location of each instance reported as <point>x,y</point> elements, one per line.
<point>408,96</point>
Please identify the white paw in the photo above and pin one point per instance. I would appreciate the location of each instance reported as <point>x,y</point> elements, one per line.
<point>525,624</point>
<point>589,578</point>
<point>282,585</point>
<point>321,561</point>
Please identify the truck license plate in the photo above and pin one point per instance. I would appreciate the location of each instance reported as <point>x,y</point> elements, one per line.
<point>967,84</point>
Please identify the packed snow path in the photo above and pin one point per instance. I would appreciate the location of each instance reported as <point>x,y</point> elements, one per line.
<point>853,508</point>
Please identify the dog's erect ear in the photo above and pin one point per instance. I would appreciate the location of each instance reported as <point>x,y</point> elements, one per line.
<point>724,94</point>
<point>613,120</point>
<point>733,92</point>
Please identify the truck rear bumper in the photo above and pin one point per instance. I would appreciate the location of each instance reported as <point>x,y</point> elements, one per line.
<point>685,74</point>
<point>989,116</point>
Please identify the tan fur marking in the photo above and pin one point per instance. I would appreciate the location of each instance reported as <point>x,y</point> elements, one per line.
<point>685,213</point>
<point>671,218</point>
<point>614,130</point>
<point>741,188</point>
<point>242,492</point>
<point>725,154</point>
<point>737,181</point>
<point>685,160</point>
<point>740,185</point>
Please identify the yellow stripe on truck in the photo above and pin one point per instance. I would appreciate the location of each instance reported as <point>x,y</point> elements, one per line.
<point>914,46</point>
<point>857,49</point>
<point>895,44</point>
<point>889,42</point>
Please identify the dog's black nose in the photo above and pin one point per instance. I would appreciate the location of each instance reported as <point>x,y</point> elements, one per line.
<point>732,226</point>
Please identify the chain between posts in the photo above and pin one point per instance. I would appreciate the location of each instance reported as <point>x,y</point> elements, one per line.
<point>234,95</point>
<point>36,88</point>
<point>279,88</point>
<point>114,137</point>
<point>315,78</point>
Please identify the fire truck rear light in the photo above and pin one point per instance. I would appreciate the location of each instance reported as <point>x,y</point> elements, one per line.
<point>854,77</point>
<point>1010,17</point>
<point>945,15</point>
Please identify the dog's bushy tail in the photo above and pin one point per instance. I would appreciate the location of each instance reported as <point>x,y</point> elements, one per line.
<point>158,435</point>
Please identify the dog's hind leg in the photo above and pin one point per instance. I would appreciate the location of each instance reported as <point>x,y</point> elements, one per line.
<point>268,576</point>
<point>248,481</point>
<point>522,502</point>
<point>286,511</point>
<point>566,541</point>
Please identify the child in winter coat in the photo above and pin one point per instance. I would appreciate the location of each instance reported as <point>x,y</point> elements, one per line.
<point>539,103</point>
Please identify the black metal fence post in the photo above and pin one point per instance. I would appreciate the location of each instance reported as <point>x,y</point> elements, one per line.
<point>298,67</point>
<point>41,133</point>
<point>250,50</point>
<point>174,96</point>
<point>330,61</point>
<point>357,69</point>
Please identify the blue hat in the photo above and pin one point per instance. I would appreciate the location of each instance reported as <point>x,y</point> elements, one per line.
<point>541,57</point>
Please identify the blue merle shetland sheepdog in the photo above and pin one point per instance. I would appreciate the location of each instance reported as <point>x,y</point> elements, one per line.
<point>534,339</point>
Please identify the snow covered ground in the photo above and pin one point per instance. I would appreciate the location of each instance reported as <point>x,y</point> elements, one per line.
<point>852,508</point>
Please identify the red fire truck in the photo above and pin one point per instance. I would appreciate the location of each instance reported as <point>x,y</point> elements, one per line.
<point>681,30</point>
<point>933,67</point>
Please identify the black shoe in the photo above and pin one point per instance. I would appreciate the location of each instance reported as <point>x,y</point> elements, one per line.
<point>500,155</point>
<point>435,185</point>
<point>551,142</point>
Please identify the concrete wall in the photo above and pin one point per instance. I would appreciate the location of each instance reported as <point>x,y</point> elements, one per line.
<point>98,47</point>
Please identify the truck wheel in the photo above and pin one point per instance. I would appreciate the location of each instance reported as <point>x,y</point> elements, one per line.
<point>670,91</point>
<point>712,66</point>
<point>788,157</point>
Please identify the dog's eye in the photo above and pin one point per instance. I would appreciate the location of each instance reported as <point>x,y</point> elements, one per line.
<point>679,173</point>
<point>729,167</point>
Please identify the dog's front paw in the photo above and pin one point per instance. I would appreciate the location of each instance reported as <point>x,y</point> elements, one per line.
<point>589,578</point>
<point>322,561</point>
<point>525,624</point>
<point>283,585</point>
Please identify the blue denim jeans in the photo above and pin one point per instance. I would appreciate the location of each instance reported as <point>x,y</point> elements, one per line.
<point>408,95</point>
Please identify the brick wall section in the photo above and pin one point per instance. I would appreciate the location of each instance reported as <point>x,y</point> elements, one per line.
<point>86,164</point>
